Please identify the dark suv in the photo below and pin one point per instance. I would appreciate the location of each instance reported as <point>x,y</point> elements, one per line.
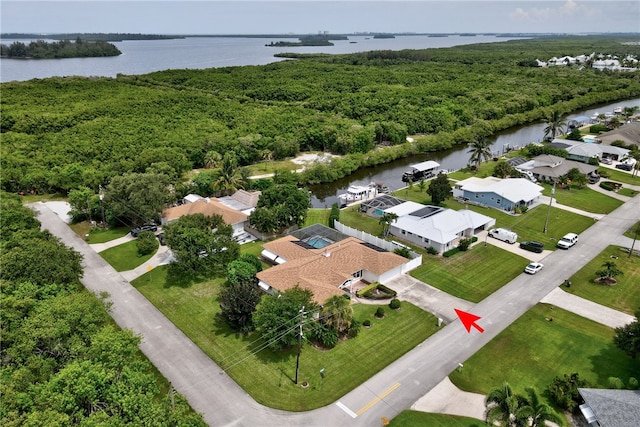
<point>145,227</point>
<point>532,246</point>
<point>624,166</point>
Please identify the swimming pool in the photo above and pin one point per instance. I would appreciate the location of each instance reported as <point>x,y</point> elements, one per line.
<point>318,242</point>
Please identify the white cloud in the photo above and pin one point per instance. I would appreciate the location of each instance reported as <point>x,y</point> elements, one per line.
<point>553,11</point>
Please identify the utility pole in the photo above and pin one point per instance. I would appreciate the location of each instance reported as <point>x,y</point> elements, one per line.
<point>553,192</point>
<point>635,237</point>
<point>102,205</point>
<point>302,313</point>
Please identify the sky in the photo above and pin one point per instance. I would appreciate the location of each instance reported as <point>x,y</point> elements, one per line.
<point>309,17</point>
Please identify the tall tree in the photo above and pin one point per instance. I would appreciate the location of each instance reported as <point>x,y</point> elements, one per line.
<point>201,245</point>
<point>439,189</point>
<point>238,302</point>
<point>480,150</point>
<point>386,220</point>
<point>503,405</point>
<point>564,391</point>
<point>229,177</point>
<point>277,317</point>
<point>627,339</point>
<point>337,313</point>
<point>279,207</point>
<point>136,198</point>
<point>555,125</point>
<point>536,413</point>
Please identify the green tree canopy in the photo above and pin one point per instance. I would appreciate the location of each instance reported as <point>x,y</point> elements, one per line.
<point>201,245</point>
<point>279,207</point>
<point>278,316</point>
<point>627,339</point>
<point>439,189</point>
<point>238,302</point>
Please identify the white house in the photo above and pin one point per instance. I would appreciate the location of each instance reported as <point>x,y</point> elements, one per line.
<point>506,194</point>
<point>436,227</point>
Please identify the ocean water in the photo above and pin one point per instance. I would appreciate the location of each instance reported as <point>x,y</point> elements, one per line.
<point>145,56</point>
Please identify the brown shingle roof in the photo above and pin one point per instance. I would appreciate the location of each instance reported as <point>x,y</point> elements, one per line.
<point>323,275</point>
<point>206,207</point>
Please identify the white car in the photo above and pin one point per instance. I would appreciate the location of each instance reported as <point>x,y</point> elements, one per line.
<point>533,268</point>
<point>567,241</point>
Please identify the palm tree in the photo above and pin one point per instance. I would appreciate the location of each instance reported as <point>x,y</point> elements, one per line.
<point>386,220</point>
<point>337,313</point>
<point>610,271</point>
<point>212,159</point>
<point>555,125</point>
<point>502,406</point>
<point>535,413</point>
<point>630,111</point>
<point>229,176</point>
<point>480,150</point>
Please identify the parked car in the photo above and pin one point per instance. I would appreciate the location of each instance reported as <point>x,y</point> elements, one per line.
<point>606,160</point>
<point>624,166</point>
<point>504,235</point>
<point>145,227</point>
<point>567,241</point>
<point>536,247</point>
<point>160,237</point>
<point>533,268</point>
<point>593,177</point>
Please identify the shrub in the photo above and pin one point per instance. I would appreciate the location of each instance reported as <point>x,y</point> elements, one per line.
<point>394,304</point>
<point>615,383</point>
<point>464,244</point>
<point>606,186</point>
<point>146,243</point>
<point>524,209</point>
<point>633,384</point>
<point>432,251</point>
<point>380,313</point>
<point>598,128</point>
<point>366,323</point>
<point>403,252</point>
<point>354,329</point>
<point>376,291</point>
<point>451,252</point>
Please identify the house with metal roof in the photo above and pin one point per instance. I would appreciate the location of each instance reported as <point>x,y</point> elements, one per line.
<point>547,167</point>
<point>436,227</point>
<point>505,194</point>
<point>326,262</point>
<point>610,408</point>
<point>583,151</point>
<point>628,133</point>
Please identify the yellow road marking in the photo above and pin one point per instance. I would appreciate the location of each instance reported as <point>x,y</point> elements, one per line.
<point>369,405</point>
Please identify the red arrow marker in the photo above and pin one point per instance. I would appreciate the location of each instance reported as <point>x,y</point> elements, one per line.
<point>469,320</point>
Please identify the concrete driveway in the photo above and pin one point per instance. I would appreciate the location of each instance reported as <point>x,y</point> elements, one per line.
<point>513,248</point>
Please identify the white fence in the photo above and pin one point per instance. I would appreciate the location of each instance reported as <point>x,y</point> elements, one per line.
<point>415,261</point>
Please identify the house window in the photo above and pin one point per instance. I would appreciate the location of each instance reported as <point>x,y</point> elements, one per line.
<point>477,195</point>
<point>498,201</point>
<point>403,232</point>
<point>357,274</point>
<point>424,239</point>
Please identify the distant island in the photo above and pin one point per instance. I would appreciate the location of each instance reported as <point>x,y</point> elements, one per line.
<point>41,49</point>
<point>384,36</point>
<point>107,37</point>
<point>312,40</point>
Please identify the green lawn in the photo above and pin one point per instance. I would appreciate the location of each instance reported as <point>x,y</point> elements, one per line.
<point>267,376</point>
<point>124,257</point>
<point>532,351</point>
<point>471,275</point>
<point>634,231</point>
<point>627,192</point>
<point>101,235</point>
<point>625,296</point>
<point>616,175</point>
<point>530,225</point>
<point>318,216</point>
<point>425,419</point>
<point>584,198</point>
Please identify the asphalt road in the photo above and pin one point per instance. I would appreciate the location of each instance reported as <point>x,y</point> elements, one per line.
<point>214,394</point>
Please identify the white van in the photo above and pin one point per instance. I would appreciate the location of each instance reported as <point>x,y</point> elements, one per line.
<point>504,235</point>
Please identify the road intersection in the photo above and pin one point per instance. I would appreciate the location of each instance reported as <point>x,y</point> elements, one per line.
<point>211,392</point>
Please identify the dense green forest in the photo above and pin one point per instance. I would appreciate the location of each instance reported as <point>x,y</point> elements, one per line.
<point>63,360</point>
<point>107,37</point>
<point>41,49</point>
<point>63,133</point>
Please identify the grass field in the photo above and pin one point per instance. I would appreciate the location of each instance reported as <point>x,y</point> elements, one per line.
<point>101,235</point>
<point>125,256</point>
<point>616,175</point>
<point>627,192</point>
<point>425,419</point>
<point>264,168</point>
<point>634,231</point>
<point>584,198</point>
<point>471,275</point>
<point>268,376</point>
<point>625,296</point>
<point>532,351</point>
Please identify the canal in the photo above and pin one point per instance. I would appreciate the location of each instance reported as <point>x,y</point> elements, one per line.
<point>324,195</point>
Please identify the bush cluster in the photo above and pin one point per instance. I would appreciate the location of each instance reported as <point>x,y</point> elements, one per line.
<point>451,252</point>
<point>394,304</point>
<point>146,243</point>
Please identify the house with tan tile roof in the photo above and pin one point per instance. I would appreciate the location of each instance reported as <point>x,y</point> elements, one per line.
<point>207,207</point>
<point>326,266</point>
